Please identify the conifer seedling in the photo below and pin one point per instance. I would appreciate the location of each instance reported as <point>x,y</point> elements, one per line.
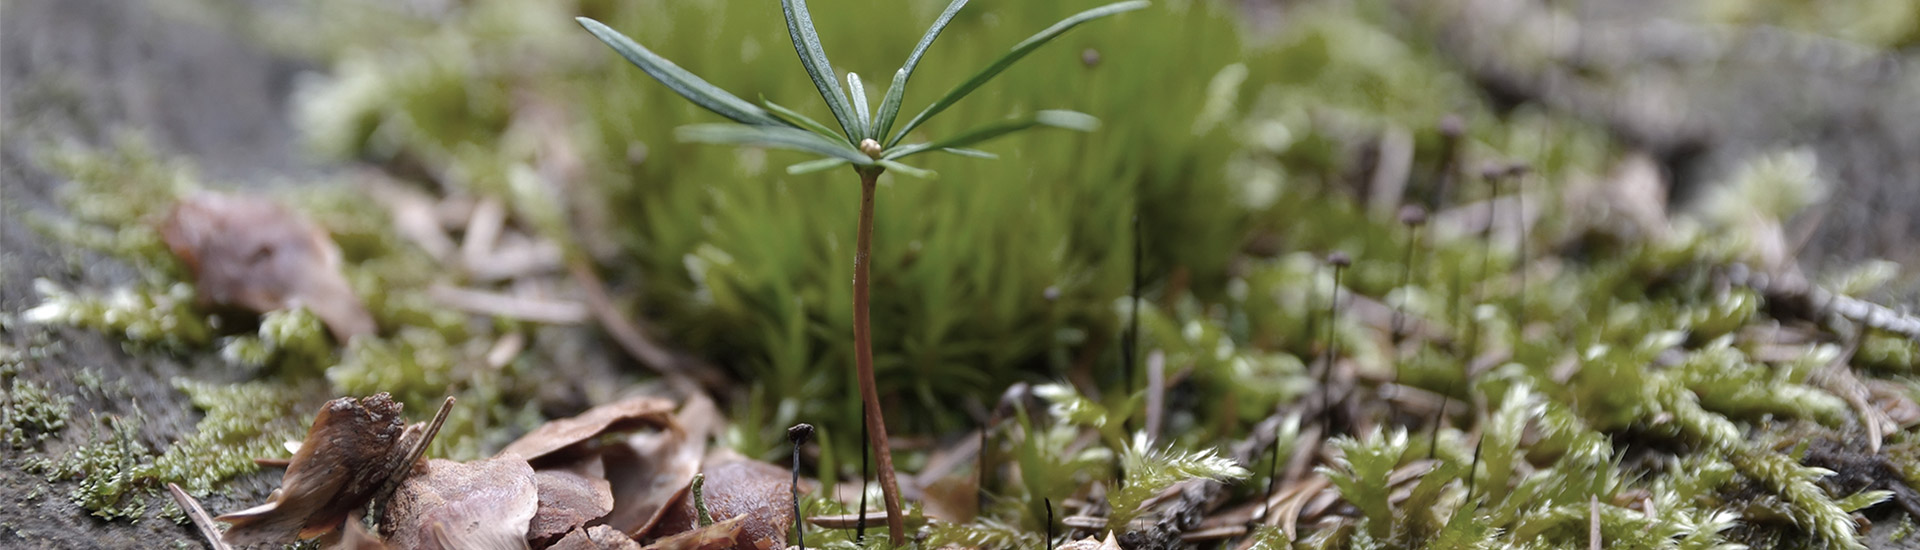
<point>867,141</point>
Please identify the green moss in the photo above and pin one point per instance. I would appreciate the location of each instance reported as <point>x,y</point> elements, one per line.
<point>241,422</point>
<point>112,472</point>
<point>115,475</point>
<point>291,339</point>
<point>164,316</point>
<point>31,412</point>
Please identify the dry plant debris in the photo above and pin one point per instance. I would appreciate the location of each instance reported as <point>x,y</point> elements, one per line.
<point>602,479</point>
<point>598,537</point>
<point>451,505</point>
<point>350,452</point>
<point>567,502</point>
<point>253,253</point>
<point>739,488</point>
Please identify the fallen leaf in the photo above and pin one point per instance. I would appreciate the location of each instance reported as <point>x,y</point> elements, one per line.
<point>652,470</point>
<point>252,253</point>
<point>562,434</point>
<point>353,537</point>
<point>567,502</point>
<point>726,534</point>
<point>598,537</point>
<point>452,505</point>
<point>737,487</point>
<point>349,452</point>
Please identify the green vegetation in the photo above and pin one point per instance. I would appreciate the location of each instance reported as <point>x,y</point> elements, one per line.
<point>867,142</point>
<point>31,412</point>
<point>1588,370</point>
<point>116,474</point>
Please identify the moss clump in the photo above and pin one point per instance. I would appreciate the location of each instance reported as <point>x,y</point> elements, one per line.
<point>242,422</point>
<point>31,412</point>
<point>159,316</point>
<point>115,475</point>
<point>112,472</point>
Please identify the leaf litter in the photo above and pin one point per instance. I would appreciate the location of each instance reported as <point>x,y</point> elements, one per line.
<point>609,478</point>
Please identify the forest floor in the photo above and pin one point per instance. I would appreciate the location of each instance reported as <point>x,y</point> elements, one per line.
<point>78,71</point>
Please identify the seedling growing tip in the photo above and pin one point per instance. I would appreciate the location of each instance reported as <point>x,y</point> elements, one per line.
<point>867,141</point>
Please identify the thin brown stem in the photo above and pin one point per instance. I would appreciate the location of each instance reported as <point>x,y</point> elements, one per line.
<point>863,359</point>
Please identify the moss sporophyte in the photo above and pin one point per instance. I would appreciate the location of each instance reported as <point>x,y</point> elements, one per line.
<point>867,141</point>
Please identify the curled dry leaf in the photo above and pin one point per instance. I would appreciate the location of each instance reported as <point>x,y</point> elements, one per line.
<point>728,534</point>
<point>486,504</point>
<point>598,537</point>
<point>653,470</point>
<point>350,451</point>
<point>252,253</point>
<point>739,488</point>
<point>567,502</point>
<point>568,433</point>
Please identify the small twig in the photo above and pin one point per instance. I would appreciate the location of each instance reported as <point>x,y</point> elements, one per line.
<point>680,374</point>
<point>538,310</point>
<point>1838,379</point>
<point>1819,303</point>
<point>400,471</point>
<point>1593,522</point>
<point>201,520</point>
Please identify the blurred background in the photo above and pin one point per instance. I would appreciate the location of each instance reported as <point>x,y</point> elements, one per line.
<point>1242,134</point>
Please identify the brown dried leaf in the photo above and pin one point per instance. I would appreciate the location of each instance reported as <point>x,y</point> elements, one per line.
<point>728,534</point>
<point>739,488</point>
<point>598,537</point>
<point>567,502</point>
<point>252,253</point>
<point>353,537</point>
<point>452,505</point>
<point>652,470</point>
<point>558,435</point>
<point>347,455</point>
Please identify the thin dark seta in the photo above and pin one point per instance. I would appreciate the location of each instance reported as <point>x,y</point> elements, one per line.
<point>1340,262</point>
<point>1133,315</point>
<point>1414,218</point>
<point>980,477</point>
<point>798,435</point>
<point>1049,502</point>
<point>1313,310</point>
<point>1433,438</point>
<point>1474,468</point>
<point>1480,296</point>
<point>1520,250</point>
<point>1273,474</point>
